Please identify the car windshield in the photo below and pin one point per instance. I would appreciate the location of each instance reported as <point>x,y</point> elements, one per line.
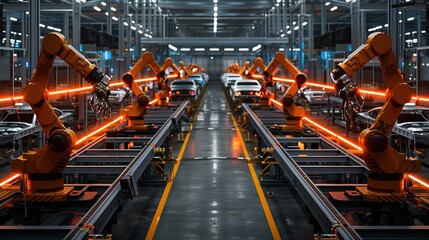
<point>196,77</point>
<point>247,84</point>
<point>183,83</point>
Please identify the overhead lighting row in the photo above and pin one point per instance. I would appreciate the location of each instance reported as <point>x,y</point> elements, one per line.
<point>210,49</point>
<point>104,4</point>
<point>215,14</point>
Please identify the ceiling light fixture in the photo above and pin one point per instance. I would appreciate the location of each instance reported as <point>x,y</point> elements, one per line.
<point>97,8</point>
<point>334,8</point>
<point>257,47</point>
<point>172,47</point>
<point>215,14</point>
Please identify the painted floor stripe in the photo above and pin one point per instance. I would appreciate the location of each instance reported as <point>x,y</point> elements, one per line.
<point>161,205</point>
<point>264,203</point>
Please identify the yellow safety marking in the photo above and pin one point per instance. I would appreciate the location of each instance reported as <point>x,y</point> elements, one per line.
<point>264,203</point>
<point>161,205</point>
<point>167,189</point>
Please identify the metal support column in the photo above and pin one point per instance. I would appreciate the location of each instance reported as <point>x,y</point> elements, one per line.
<point>155,21</point>
<point>164,24</point>
<point>136,38</point>
<point>284,15</point>
<point>149,15</point>
<point>310,36</point>
<point>354,12</point>
<point>278,19</point>
<point>121,38</point>
<point>8,29</point>
<point>76,37</point>
<point>66,30</point>
<point>393,21</point>
<point>266,24</point>
<point>128,37</point>
<point>301,45</point>
<point>143,22</point>
<point>323,20</point>
<point>419,30</point>
<point>34,33</point>
<point>109,17</point>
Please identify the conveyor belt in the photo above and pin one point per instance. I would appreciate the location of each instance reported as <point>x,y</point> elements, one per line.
<point>319,169</point>
<point>99,170</point>
<point>213,195</point>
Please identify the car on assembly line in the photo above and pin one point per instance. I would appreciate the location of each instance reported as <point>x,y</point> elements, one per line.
<point>229,79</point>
<point>314,97</point>
<point>185,89</point>
<point>22,112</point>
<point>412,118</point>
<point>205,76</point>
<point>117,96</point>
<point>248,91</point>
<point>198,78</point>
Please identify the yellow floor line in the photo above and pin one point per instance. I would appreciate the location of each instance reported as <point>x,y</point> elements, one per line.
<point>264,203</point>
<point>164,197</point>
<point>167,189</point>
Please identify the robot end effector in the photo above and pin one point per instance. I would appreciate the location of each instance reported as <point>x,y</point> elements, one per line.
<point>352,99</point>
<point>99,100</point>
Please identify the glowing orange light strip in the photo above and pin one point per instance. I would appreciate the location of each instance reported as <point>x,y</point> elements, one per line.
<point>153,101</point>
<point>16,176</point>
<point>333,134</point>
<point>350,143</point>
<point>375,93</point>
<point>99,130</point>
<point>85,89</point>
<point>418,180</point>
<point>10,180</point>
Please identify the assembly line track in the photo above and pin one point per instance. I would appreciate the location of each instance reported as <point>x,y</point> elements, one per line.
<point>126,164</point>
<point>299,165</point>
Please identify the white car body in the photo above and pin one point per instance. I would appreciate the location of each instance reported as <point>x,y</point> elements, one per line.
<point>230,78</point>
<point>248,90</point>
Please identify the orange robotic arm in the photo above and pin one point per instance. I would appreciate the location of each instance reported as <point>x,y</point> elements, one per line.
<point>259,63</point>
<point>46,165</point>
<point>186,73</point>
<point>137,110</point>
<point>387,166</point>
<point>291,110</point>
<point>245,69</point>
<point>168,63</point>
